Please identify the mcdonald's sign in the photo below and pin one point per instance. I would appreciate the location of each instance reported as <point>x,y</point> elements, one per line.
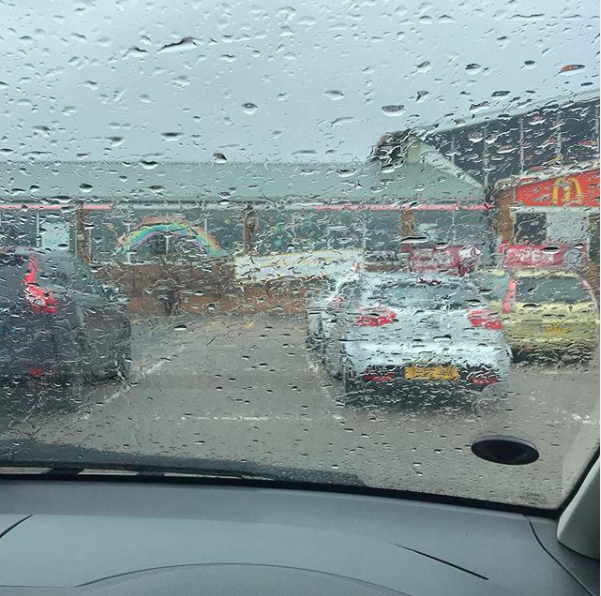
<point>577,190</point>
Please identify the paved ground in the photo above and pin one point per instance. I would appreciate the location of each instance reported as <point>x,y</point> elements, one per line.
<point>247,388</point>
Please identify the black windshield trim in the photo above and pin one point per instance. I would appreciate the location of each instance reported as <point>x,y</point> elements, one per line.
<point>366,491</point>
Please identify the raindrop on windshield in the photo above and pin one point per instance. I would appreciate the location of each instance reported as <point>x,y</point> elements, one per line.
<point>249,108</point>
<point>393,110</point>
<point>184,45</point>
<point>334,95</point>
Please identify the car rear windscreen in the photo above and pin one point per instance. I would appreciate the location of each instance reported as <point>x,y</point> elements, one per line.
<point>418,294</point>
<point>493,287</point>
<point>12,271</point>
<point>551,289</point>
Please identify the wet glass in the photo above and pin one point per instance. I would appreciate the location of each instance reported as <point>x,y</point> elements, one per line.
<point>431,294</point>
<point>203,208</point>
<point>552,289</point>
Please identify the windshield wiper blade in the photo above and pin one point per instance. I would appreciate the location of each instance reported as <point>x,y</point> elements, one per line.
<point>50,460</point>
<point>68,469</point>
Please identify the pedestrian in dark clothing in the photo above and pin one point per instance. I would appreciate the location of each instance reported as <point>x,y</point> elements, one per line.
<point>172,301</point>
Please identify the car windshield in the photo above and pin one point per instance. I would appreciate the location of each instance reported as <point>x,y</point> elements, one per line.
<point>212,215</point>
<point>552,289</point>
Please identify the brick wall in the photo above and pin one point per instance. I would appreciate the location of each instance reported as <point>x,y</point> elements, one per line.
<point>208,288</point>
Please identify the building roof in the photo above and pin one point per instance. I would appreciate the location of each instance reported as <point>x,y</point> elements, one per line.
<point>426,178</point>
<point>564,133</point>
<point>547,173</point>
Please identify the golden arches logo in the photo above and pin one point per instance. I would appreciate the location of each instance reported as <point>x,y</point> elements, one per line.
<point>563,188</point>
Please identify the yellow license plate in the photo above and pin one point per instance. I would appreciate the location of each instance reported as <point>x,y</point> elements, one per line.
<point>555,329</point>
<point>432,373</point>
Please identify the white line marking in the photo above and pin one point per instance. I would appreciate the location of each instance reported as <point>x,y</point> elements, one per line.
<point>142,375</point>
<point>152,369</point>
<point>329,398</point>
<point>252,418</point>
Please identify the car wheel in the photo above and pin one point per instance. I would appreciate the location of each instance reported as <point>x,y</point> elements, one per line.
<point>351,388</point>
<point>120,364</point>
<point>310,340</point>
<point>330,361</point>
<point>123,362</point>
<point>354,392</point>
<point>320,347</point>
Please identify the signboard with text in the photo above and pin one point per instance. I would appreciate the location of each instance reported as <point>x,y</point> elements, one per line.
<point>458,259</point>
<point>576,190</point>
<point>319,263</point>
<point>526,255</point>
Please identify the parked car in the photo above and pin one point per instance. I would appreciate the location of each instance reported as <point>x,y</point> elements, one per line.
<point>326,304</point>
<point>543,311</point>
<point>57,321</point>
<point>493,284</point>
<point>402,334</point>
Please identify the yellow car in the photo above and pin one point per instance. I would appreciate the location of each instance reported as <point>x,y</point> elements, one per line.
<point>543,310</point>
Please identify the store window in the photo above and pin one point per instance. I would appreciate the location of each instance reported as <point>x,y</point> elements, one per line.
<point>54,233</point>
<point>566,227</point>
<point>530,228</point>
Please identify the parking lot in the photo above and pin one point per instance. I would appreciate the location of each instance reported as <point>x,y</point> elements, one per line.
<point>247,388</point>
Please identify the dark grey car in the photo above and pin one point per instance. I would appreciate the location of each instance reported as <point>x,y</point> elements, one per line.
<point>57,321</point>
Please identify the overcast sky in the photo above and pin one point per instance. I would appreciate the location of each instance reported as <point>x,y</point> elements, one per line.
<point>274,80</point>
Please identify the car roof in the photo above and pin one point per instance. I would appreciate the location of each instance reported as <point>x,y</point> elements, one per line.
<point>494,271</point>
<point>533,272</point>
<point>25,251</point>
<point>16,250</point>
<point>373,278</point>
<point>527,272</point>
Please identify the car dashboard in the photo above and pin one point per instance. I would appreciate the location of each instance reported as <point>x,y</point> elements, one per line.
<point>113,536</point>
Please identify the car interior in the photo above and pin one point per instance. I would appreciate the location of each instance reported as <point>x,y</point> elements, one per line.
<point>69,530</point>
<point>300,298</point>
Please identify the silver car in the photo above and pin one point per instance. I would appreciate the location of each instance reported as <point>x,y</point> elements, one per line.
<point>401,334</point>
<point>324,307</point>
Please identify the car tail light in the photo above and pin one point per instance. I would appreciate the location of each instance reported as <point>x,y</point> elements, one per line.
<point>375,318</point>
<point>509,300</point>
<point>36,371</point>
<point>383,377</point>
<point>41,300</point>
<point>485,318</point>
<point>483,378</point>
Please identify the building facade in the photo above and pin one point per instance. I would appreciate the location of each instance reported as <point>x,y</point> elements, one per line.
<point>550,216</point>
<point>141,213</point>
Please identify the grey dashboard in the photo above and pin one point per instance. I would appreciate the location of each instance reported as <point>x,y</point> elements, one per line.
<point>111,538</point>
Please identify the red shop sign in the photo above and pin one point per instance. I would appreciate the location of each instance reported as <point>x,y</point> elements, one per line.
<point>529,255</point>
<point>578,190</point>
<point>461,259</point>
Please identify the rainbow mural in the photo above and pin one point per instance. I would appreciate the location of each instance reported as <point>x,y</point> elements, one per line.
<point>150,228</point>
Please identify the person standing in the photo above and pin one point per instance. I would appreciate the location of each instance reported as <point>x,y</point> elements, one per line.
<point>251,224</point>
